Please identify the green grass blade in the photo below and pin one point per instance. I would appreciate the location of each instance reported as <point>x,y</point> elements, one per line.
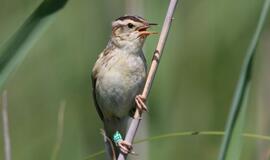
<point>13,51</point>
<point>235,146</point>
<point>180,134</point>
<point>242,86</point>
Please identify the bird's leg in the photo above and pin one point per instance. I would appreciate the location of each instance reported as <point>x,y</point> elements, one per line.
<point>125,147</point>
<point>140,101</point>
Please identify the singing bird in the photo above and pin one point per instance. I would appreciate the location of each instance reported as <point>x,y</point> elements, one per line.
<point>118,78</point>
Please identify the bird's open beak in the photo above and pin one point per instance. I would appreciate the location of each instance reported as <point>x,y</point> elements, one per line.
<point>143,30</point>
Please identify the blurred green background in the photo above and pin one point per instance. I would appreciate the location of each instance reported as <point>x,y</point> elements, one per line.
<point>192,90</point>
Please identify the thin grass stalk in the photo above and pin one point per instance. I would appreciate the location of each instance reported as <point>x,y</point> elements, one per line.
<point>188,133</point>
<point>151,74</point>
<point>60,130</point>
<point>6,135</point>
<point>245,76</point>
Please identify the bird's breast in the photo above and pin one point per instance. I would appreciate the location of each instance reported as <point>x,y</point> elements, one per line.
<point>122,79</point>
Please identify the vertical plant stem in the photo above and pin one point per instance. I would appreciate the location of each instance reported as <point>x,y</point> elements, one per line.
<point>136,7</point>
<point>151,74</point>
<point>6,135</point>
<point>60,130</point>
<point>245,76</point>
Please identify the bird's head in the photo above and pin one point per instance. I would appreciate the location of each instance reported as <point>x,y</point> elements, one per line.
<point>130,31</point>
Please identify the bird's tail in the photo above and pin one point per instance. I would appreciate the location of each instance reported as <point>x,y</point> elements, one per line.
<point>111,150</point>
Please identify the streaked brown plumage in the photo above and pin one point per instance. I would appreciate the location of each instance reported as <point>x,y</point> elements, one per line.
<point>119,75</point>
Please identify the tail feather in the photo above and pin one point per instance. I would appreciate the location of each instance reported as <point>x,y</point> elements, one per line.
<point>111,150</point>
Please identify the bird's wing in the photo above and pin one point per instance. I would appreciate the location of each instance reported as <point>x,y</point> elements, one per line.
<point>103,57</point>
<point>94,79</point>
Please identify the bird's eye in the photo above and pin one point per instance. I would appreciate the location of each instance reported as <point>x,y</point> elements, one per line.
<point>130,25</point>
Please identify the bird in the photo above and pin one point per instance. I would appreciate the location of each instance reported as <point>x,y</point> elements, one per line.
<point>118,78</point>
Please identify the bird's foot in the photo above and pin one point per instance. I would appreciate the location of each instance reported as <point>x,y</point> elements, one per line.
<point>140,101</point>
<point>125,147</point>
